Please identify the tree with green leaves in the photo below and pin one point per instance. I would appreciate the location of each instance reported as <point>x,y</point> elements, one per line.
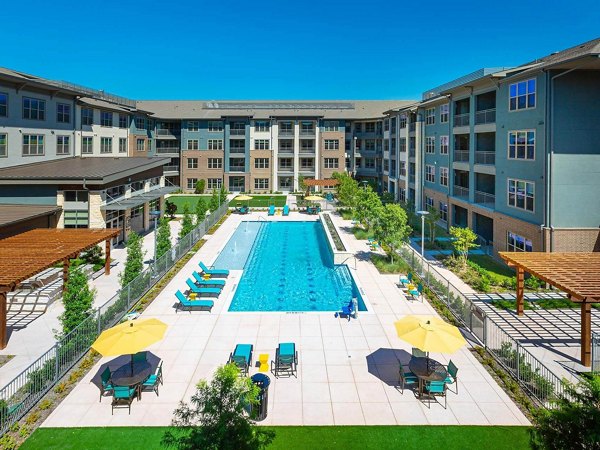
<point>346,190</point>
<point>216,419</point>
<point>200,186</point>
<point>201,208</point>
<point>431,220</point>
<point>215,201</point>
<point>368,207</point>
<point>391,227</point>
<point>187,223</point>
<point>170,209</point>
<point>223,195</point>
<point>302,185</point>
<point>134,263</point>
<point>163,237</point>
<point>464,240</point>
<point>574,420</point>
<point>387,197</point>
<point>78,299</point>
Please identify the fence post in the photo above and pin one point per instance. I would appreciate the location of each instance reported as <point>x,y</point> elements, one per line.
<point>100,320</point>
<point>128,295</point>
<point>56,364</point>
<point>485,319</point>
<point>518,369</point>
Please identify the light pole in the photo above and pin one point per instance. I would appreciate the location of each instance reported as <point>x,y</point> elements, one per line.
<point>422,214</point>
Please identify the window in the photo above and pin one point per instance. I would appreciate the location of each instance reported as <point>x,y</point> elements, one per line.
<point>358,162</point>
<point>87,116</point>
<point>430,173</point>
<point>444,211</point>
<point>261,183</point>
<point>63,113</point>
<point>430,144</point>
<point>521,194</point>
<point>402,168</point>
<point>331,125</point>
<point>76,218</point>
<point>370,127</point>
<point>193,144</point>
<point>261,163</point>
<point>215,163</point>
<point>370,145</point>
<point>403,121</point>
<point>3,104</point>
<point>522,95</point>
<point>215,144</point>
<point>386,125</point>
<point>444,176</point>
<point>34,109</point>
<point>215,126</point>
<point>516,243</point>
<point>428,203</point>
<point>123,121</point>
<point>87,145</point>
<point>214,183</point>
<point>386,165</point>
<point>332,144</point>
<point>358,127</point>
<point>402,194</point>
<point>521,144</point>
<point>261,126</point>
<point>332,163</point>
<point>307,163</point>
<point>261,144</point>
<point>140,123</point>
<point>430,116</point>
<point>444,140</point>
<point>63,146</point>
<point>122,145</point>
<point>402,143</point>
<point>106,118</point>
<point>140,144</point>
<point>33,144</point>
<point>286,128</point>
<point>307,127</point>
<point>285,163</point>
<point>191,183</point>
<point>192,163</point>
<point>105,145</point>
<point>369,163</point>
<point>193,125</point>
<point>444,113</point>
<point>3,145</point>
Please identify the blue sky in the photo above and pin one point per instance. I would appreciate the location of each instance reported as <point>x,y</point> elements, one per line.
<point>194,49</point>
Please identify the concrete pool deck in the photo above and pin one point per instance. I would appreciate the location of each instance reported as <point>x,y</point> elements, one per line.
<point>347,373</point>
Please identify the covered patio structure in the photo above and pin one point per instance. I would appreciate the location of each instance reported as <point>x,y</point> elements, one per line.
<point>29,253</point>
<point>577,274</point>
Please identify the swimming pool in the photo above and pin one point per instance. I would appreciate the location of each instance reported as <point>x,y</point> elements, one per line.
<point>287,267</point>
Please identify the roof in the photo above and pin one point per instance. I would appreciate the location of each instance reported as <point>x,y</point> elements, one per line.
<point>328,109</point>
<point>93,170</point>
<point>577,274</point>
<point>589,48</point>
<point>325,182</point>
<point>461,81</point>
<point>101,104</point>
<point>10,214</point>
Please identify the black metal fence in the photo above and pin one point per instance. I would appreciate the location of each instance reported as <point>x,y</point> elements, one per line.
<point>595,352</point>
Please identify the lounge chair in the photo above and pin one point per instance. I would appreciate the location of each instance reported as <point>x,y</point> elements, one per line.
<point>184,303</point>
<point>272,210</point>
<point>347,310</point>
<point>406,377</point>
<point>106,385</point>
<point>436,389</point>
<point>242,357</point>
<point>122,395</point>
<point>202,290</point>
<point>406,279</point>
<point>210,282</point>
<point>213,272</point>
<point>286,360</point>
<point>286,210</point>
<point>242,210</point>
<point>416,293</point>
<point>452,377</point>
<point>153,380</point>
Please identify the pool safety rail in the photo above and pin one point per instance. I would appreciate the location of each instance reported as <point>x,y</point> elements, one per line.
<point>21,394</point>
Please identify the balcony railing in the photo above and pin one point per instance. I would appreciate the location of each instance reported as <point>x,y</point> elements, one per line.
<point>307,151</point>
<point>167,132</point>
<point>461,191</point>
<point>485,116</point>
<point>484,198</point>
<point>285,169</point>
<point>237,150</point>
<point>286,150</point>
<point>307,132</point>
<point>171,169</point>
<point>412,126</point>
<point>487,158</point>
<point>237,168</point>
<point>461,155</point>
<point>461,120</point>
<point>162,150</point>
<point>411,153</point>
<point>402,173</point>
<point>411,178</point>
<point>286,132</point>
<point>237,132</point>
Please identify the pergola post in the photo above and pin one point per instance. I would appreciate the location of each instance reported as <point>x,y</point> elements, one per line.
<point>586,334</point>
<point>66,263</point>
<point>3,333</point>
<point>107,256</point>
<point>520,290</point>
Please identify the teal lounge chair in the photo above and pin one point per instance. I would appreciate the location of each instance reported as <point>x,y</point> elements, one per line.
<point>406,279</point>
<point>242,357</point>
<point>242,210</point>
<point>202,282</point>
<point>452,377</point>
<point>189,304</point>
<point>286,210</point>
<point>213,272</point>
<point>201,290</point>
<point>106,385</point>
<point>122,395</point>
<point>286,360</point>
<point>153,380</point>
<point>406,377</point>
<point>416,293</point>
<point>272,210</point>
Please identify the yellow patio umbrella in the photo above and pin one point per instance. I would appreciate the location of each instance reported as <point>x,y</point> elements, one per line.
<point>430,334</point>
<point>243,198</point>
<point>313,198</point>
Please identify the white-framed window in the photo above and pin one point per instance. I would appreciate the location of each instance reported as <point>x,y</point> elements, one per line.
<point>214,183</point>
<point>430,144</point>
<point>286,128</point>
<point>403,121</point>
<point>33,144</point>
<point>3,104</point>
<point>261,183</point>
<point>140,144</point>
<point>516,243</point>
<point>444,112</point>
<point>63,145</point>
<point>521,95</point>
<point>261,163</point>
<point>521,194</point>
<point>193,125</point>
<point>444,211</point>
<point>369,145</point>
<point>122,145</point>
<point>34,109</point>
<point>105,145</point>
<point>286,163</point>
<point>369,163</point>
<point>140,123</point>
<point>193,144</point>
<point>402,168</point>
<point>191,183</point>
<point>370,127</point>
<point>192,163</point>
<point>307,163</point>
<point>430,173</point>
<point>332,144</point>
<point>386,165</point>
<point>215,126</point>
<point>123,121</point>
<point>3,145</point>
<point>87,145</point>
<point>106,119</point>
<point>521,144</point>
<point>261,144</point>
<point>63,113</point>
<point>261,126</point>
<point>444,143</point>
<point>87,116</point>
<point>215,144</point>
<point>429,203</point>
<point>332,163</point>
<point>215,163</point>
<point>444,176</point>
<point>331,125</point>
<point>430,116</point>
<point>402,194</point>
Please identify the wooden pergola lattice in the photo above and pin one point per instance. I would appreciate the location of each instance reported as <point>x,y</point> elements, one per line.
<point>27,254</point>
<point>577,274</point>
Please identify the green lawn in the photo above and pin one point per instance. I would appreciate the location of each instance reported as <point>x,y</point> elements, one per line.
<point>191,200</point>
<point>489,264</point>
<point>262,201</point>
<point>290,438</point>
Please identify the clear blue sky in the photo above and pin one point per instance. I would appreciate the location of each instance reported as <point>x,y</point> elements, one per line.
<point>195,49</point>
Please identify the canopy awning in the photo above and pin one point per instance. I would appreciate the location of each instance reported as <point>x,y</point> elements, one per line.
<point>121,204</point>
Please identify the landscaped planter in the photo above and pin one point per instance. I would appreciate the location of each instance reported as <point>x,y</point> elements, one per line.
<point>336,246</point>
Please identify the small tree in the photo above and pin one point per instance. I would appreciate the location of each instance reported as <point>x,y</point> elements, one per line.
<point>78,299</point>
<point>302,185</point>
<point>134,263</point>
<point>200,186</point>
<point>464,240</point>
<point>347,189</point>
<point>574,422</point>
<point>223,195</point>
<point>215,418</point>
<point>163,237</point>
<point>170,209</point>
<point>392,228</point>
<point>387,197</point>
<point>431,220</point>
<point>187,223</point>
<point>215,201</point>
<point>368,207</point>
<point>201,209</point>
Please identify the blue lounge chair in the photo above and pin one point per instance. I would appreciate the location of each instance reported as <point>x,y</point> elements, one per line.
<point>286,210</point>
<point>286,359</point>
<point>416,293</point>
<point>347,311</point>
<point>189,304</point>
<point>242,357</point>
<point>242,210</point>
<point>202,282</point>
<point>406,279</point>
<point>202,290</point>
<point>122,395</point>
<point>213,272</point>
<point>272,210</point>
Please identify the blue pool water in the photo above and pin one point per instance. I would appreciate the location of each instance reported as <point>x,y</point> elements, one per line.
<point>287,267</point>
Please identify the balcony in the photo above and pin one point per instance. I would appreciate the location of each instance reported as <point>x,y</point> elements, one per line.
<point>412,126</point>
<point>485,116</point>
<point>238,150</point>
<point>411,178</point>
<point>237,168</point>
<point>237,132</point>
<point>167,150</point>
<point>168,133</point>
<point>170,170</point>
<point>307,133</point>
<point>286,169</point>
<point>287,150</point>
<point>487,158</point>
<point>461,120</point>
<point>307,151</point>
<point>461,156</point>
<point>286,132</point>
<point>461,191</point>
<point>485,198</point>
<point>411,153</point>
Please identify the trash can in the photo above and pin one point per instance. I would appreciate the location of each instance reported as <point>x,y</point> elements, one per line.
<point>259,410</point>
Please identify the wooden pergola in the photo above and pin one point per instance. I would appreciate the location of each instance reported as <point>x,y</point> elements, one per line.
<point>27,254</point>
<point>577,274</point>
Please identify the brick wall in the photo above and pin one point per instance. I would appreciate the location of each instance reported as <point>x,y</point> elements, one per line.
<point>575,240</point>
<point>202,172</point>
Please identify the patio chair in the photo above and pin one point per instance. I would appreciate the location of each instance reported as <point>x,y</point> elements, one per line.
<point>286,360</point>
<point>202,282</point>
<point>242,357</point>
<point>347,311</point>
<point>416,293</point>
<point>406,279</point>
<point>184,303</point>
<point>122,396</point>
<point>417,353</point>
<point>139,357</point>
<point>436,389</point>
<point>153,380</point>
<point>106,383</point>
<point>202,291</point>
<point>286,210</point>
<point>405,377</point>
<point>452,377</point>
<point>271,210</point>
<point>213,272</point>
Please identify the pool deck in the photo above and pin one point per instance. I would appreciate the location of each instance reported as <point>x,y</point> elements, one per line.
<point>347,373</point>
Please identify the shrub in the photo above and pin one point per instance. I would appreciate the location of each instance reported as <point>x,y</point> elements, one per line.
<point>200,186</point>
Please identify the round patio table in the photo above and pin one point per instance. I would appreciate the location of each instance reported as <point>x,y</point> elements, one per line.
<point>427,369</point>
<point>124,376</point>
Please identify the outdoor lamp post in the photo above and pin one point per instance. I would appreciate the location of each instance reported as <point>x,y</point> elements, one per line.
<point>422,214</point>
